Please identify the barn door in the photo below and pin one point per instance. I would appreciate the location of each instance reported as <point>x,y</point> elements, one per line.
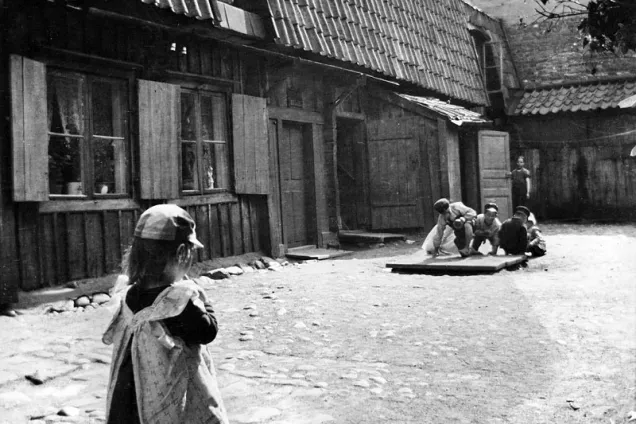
<point>394,174</point>
<point>296,182</point>
<point>494,159</point>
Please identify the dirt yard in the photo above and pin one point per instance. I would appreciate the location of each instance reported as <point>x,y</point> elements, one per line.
<point>346,341</point>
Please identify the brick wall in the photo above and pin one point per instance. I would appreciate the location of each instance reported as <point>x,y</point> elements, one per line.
<point>547,53</point>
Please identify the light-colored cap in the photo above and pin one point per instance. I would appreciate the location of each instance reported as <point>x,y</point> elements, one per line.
<point>167,222</point>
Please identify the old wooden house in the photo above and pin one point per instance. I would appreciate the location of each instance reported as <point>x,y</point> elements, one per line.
<point>274,123</point>
<point>565,119</point>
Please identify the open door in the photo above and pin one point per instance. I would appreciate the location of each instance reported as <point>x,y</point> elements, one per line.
<point>494,163</point>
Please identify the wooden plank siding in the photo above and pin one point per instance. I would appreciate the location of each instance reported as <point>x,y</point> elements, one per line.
<point>52,242</point>
<point>580,165</point>
<point>81,245</point>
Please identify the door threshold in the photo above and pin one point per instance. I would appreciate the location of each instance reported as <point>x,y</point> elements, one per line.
<point>307,246</point>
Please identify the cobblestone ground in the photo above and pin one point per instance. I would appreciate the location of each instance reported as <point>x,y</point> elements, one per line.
<point>346,341</point>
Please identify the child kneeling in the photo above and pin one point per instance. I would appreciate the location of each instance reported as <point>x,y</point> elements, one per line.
<point>161,370</point>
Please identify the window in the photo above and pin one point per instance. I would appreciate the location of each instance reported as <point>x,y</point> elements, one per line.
<point>204,142</point>
<point>87,129</point>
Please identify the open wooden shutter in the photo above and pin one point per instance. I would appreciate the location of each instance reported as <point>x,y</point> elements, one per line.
<point>158,140</point>
<point>29,130</point>
<point>251,151</point>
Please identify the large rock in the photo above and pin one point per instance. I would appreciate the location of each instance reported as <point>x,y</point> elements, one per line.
<point>100,298</point>
<point>246,268</point>
<point>234,270</point>
<point>217,274</point>
<point>257,264</point>
<point>82,301</point>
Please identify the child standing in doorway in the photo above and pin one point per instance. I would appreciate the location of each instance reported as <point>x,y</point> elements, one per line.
<point>162,372</point>
<point>521,184</point>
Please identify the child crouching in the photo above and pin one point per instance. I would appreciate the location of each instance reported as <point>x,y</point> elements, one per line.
<point>161,370</point>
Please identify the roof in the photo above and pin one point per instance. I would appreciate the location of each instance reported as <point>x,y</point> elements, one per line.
<point>424,42</point>
<point>456,114</point>
<point>223,15</point>
<point>574,98</point>
<point>200,9</point>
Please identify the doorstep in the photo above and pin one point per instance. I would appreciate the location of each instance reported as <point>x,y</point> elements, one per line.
<point>312,252</point>
<point>360,236</point>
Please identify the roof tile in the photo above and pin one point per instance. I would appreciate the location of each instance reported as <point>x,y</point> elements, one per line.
<point>574,98</point>
<point>423,42</point>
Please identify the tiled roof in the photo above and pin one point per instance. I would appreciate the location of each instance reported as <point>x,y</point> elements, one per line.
<point>574,98</point>
<point>200,9</point>
<point>456,114</point>
<point>224,15</point>
<point>425,42</point>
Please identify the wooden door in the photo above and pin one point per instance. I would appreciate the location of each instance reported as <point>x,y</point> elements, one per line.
<point>353,211</point>
<point>494,163</point>
<point>395,174</point>
<point>295,185</point>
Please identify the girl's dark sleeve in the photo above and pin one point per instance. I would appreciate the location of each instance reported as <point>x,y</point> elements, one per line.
<point>193,325</point>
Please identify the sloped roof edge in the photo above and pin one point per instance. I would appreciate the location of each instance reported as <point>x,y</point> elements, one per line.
<point>458,115</point>
<point>223,15</point>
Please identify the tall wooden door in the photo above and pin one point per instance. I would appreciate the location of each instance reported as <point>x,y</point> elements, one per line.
<point>494,162</point>
<point>395,188</point>
<point>351,181</point>
<point>297,198</point>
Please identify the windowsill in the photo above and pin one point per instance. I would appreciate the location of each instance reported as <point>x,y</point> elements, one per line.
<point>66,203</point>
<point>211,198</point>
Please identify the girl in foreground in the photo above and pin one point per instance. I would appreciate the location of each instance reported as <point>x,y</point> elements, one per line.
<point>161,371</point>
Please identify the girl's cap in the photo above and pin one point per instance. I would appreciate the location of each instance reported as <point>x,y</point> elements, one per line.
<point>167,222</point>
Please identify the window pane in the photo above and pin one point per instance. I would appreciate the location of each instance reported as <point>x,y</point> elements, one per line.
<point>207,126</point>
<point>66,104</point>
<point>219,114</point>
<point>65,165</point>
<point>222,175</point>
<point>103,108</point>
<point>109,166</point>
<point>209,177</point>
<point>189,169</point>
<point>188,124</point>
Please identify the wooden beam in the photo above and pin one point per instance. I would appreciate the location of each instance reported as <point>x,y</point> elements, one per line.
<point>296,115</point>
<point>211,199</point>
<point>58,206</point>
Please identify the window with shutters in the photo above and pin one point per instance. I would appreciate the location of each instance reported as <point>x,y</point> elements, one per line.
<point>204,141</point>
<point>87,130</point>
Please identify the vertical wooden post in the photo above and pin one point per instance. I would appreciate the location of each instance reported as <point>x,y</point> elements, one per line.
<point>273,200</point>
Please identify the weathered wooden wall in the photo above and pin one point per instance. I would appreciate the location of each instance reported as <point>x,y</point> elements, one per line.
<point>580,164</point>
<point>50,244</point>
<point>434,184</point>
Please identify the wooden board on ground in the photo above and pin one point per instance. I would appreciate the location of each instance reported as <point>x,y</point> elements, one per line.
<point>456,263</point>
<point>357,236</point>
<point>308,253</point>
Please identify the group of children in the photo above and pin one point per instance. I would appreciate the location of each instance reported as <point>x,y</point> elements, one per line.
<point>468,231</point>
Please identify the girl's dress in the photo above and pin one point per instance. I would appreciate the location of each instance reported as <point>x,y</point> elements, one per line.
<point>161,370</point>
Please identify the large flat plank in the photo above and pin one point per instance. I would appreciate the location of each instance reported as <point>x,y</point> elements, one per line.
<point>477,263</point>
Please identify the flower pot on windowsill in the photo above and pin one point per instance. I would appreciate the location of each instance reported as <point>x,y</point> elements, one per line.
<point>74,188</point>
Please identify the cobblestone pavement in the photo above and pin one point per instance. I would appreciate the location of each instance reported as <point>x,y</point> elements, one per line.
<point>347,341</point>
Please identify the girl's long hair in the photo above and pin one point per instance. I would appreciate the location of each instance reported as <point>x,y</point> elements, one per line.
<point>147,259</point>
